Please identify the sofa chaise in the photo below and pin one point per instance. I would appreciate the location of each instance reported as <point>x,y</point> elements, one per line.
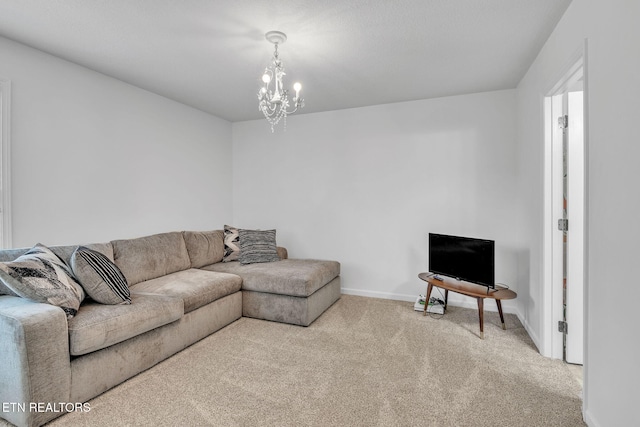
<point>180,290</point>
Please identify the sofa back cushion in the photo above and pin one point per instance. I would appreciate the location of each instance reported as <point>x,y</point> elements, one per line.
<point>65,252</point>
<point>149,257</point>
<point>204,247</point>
<point>8,255</point>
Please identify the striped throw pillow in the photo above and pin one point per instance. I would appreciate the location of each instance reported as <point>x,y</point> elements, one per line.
<point>257,246</point>
<point>101,279</point>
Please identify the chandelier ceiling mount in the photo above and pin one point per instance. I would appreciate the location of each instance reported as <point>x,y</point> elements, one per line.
<point>276,37</point>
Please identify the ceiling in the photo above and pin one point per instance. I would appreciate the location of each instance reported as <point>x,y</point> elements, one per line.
<point>210,54</point>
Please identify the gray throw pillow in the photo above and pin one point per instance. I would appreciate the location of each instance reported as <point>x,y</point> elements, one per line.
<point>41,276</point>
<point>231,244</point>
<point>258,246</point>
<point>101,279</point>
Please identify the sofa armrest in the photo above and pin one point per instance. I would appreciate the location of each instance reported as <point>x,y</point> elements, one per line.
<point>36,366</point>
<point>282,252</point>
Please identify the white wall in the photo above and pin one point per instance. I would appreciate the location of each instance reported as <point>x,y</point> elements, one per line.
<point>95,159</point>
<point>611,370</point>
<point>365,186</point>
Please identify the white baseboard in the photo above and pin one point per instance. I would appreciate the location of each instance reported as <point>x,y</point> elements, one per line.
<point>454,300</point>
<point>376,294</point>
<point>588,419</point>
<point>529,329</point>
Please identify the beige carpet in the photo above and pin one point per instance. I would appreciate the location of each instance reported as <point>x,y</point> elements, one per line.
<point>365,362</point>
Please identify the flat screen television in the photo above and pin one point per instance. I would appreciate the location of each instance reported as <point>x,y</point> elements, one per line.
<point>463,258</point>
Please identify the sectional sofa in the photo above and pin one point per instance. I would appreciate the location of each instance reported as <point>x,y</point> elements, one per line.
<point>180,291</point>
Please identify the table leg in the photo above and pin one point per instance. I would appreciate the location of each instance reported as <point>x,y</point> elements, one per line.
<point>481,314</point>
<point>501,315</point>
<point>446,298</point>
<point>426,300</point>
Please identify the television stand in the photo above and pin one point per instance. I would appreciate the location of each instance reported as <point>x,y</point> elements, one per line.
<point>478,292</point>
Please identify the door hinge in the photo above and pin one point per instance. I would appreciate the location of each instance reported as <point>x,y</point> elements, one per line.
<point>563,224</point>
<point>563,122</point>
<point>563,327</point>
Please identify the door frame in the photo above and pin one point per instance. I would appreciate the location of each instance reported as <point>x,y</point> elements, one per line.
<point>5,163</point>
<point>552,252</point>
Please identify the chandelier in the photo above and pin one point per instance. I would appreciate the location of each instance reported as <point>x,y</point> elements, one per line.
<point>274,102</point>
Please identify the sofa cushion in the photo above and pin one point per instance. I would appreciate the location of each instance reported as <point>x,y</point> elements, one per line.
<point>98,326</point>
<point>257,246</point>
<point>11,254</point>
<point>282,252</point>
<point>204,247</point>
<point>149,257</point>
<point>101,279</point>
<point>296,277</point>
<point>63,252</point>
<point>41,276</point>
<point>231,244</point>
<point>5,289</point>
<point>194,286</point>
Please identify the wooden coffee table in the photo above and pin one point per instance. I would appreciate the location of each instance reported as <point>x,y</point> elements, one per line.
<point>478,292</point>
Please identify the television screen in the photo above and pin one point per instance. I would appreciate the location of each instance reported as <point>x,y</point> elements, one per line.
<point>463,258</point>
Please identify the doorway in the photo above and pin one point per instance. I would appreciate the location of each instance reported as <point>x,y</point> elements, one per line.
<point>565,196</point>
<point>5,163</point>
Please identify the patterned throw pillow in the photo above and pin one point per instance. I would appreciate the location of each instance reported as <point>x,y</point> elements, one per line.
<point>43,277</point>
<point>100,278</point>
<point>231,244</point>
<point>258,246</point>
